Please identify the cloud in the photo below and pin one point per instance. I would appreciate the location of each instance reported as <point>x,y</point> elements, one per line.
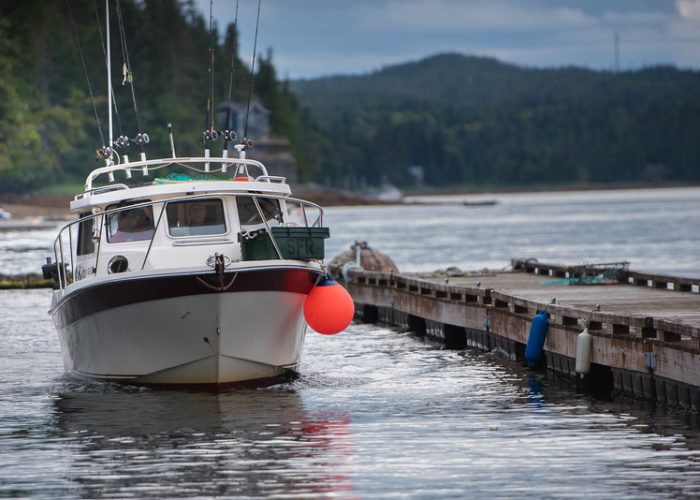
<point>637,18</point>
<point>320,37</point>
<point>456,15</point>
<point>689,9</point>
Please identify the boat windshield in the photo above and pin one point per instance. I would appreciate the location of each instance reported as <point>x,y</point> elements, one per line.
<point>249,216</point>
<point>196,217</point>
<point>135,224</point>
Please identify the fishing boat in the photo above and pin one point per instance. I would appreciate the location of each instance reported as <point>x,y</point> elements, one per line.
<point>194,271</point>
<point>186,279</point>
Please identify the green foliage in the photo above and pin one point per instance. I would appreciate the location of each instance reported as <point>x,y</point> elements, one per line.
<point>478,121</point>
<point>20,139</point>
<point>48,131</point>
<point>466,120</point>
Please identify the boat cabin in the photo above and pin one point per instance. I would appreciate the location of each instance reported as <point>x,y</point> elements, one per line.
<point>187,222</point>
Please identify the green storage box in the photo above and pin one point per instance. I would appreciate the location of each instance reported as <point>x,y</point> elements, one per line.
<point>301,243</point>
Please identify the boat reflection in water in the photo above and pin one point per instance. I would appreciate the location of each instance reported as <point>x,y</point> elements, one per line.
<point>174,443</point>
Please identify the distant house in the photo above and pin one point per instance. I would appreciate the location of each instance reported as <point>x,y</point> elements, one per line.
<point>655,173</point>
<point>258,119</point>
<point>273,152</point>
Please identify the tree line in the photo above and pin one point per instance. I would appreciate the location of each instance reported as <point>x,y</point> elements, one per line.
<point>48,130</point>
<point>469,121</point>
<point>478,122</point>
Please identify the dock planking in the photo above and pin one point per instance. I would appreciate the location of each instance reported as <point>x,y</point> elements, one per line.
<point>619,298</point>
<point>645,327</point>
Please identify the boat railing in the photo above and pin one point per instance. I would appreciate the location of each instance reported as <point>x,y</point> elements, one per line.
<point>270,178</point>
<point>210,165</point>
<point>65,246</point>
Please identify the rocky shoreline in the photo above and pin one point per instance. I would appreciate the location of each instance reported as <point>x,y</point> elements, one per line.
<point>36,205</point>
<point>24,281</point>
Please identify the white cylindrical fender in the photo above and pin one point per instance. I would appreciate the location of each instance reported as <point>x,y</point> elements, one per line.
<point>584,348</point>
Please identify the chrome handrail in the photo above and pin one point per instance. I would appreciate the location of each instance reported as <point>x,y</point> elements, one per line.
<point>147,165</point>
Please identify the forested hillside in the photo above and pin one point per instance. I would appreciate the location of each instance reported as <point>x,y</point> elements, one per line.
<point>467,121</point>
<point>48,132</point>
<point>476,121</point>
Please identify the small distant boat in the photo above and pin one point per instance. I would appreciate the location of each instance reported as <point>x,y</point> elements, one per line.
<point>479,203</point>
<point>387,193</point>
<point>441,202</point>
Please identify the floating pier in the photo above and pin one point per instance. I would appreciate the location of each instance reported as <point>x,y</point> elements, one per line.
<point>645,328</point>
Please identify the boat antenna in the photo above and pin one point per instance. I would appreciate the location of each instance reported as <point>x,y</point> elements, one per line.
<point>172,141</point>
<point>247,142</point>
<point>122,141</point>
<point>104,151</point>
<point>109,83</point>
<point>210,134</point>
<point>141,137</point>
<point>230,135</point>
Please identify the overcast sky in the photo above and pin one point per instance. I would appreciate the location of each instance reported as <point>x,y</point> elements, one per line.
<point>311,38</point>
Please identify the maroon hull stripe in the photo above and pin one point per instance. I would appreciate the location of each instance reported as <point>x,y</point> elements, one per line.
<point>101,297</point>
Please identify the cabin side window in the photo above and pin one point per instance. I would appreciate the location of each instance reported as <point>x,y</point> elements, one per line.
<point>196,218</point>
<point>85,230</point>
<point>134,224</point>
<point>249,215</point>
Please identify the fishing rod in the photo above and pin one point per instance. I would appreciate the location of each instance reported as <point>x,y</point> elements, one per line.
<point>230,135</point>
<point>109,82</point>
<point>247,141</point>
<point>141,137</point>
<point>210,134</point>
<point>122,141</point>
<point>105,151</point>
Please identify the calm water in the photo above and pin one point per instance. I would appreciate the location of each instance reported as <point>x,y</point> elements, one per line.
<point>375,413</point>
<point>656,230</point>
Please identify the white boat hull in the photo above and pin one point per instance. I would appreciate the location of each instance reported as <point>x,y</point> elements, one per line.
<point>251,332</point>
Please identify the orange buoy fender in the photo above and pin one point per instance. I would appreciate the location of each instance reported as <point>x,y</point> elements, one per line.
<point>328,308</point>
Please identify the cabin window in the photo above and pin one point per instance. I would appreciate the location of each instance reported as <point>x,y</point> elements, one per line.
<point>85,228</point>
<point>249,216</point>
<point>196,218</point>
<point>134,224</point>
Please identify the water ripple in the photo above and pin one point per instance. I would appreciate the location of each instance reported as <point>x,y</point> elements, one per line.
<point>375,412</point>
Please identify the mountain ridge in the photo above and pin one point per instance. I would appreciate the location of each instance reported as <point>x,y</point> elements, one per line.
<point>493,123</point>
<point>465,80</point>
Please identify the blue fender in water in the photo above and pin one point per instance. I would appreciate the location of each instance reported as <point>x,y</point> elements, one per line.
<point>535,340</point>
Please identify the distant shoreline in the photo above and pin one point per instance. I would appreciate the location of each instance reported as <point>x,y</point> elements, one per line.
<point>547,189</point>
<point>57,206</point>
<point>21,206</point>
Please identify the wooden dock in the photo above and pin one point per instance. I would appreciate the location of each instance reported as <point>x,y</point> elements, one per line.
<point>645,327</point>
